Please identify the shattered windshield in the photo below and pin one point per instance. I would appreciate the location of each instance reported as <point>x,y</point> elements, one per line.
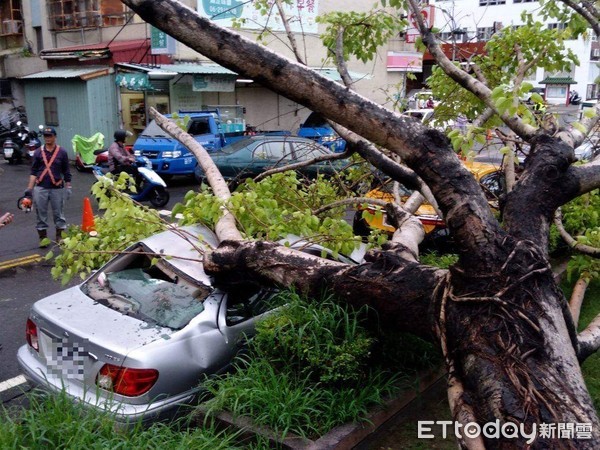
<point>155,293</point>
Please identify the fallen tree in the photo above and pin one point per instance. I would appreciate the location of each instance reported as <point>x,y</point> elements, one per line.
<point>504,325</point>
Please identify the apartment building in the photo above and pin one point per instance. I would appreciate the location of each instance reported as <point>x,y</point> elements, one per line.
<point>468,24</point>
<point>84,66</point>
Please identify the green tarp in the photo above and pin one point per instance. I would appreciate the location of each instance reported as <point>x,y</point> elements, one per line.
<point>84,147</point>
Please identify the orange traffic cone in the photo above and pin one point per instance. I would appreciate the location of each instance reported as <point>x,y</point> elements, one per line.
<point>87,222</point>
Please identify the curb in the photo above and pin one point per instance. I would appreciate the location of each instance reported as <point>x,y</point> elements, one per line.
<point>344,437</point>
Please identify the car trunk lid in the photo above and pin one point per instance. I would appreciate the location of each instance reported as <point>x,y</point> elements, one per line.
<point>76,339</point>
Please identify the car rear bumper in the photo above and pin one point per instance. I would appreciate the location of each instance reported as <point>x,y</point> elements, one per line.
<point>93,397</point>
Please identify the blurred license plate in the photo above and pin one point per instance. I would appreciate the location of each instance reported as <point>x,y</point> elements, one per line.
<point>8,152</point>
<point>67,359</point>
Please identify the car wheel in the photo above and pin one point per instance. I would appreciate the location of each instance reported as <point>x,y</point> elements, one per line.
<point>159,197</point>
<point>359,225</point>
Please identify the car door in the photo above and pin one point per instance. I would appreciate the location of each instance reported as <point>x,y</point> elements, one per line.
<point>238,313</point>
<point>304,151</point>
<point>270,154</point>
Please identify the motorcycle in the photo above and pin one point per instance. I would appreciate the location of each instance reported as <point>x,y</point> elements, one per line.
<point>20,143</point>
<point>574,98</point>
<point>152,189</point>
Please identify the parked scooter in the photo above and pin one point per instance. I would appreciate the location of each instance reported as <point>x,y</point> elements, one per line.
<point>574,98</point>
<point>31,140</point>
<point>20,144</point>
<point>153,188</point>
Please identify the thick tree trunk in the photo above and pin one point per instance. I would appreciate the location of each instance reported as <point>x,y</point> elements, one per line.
<point>505,335</point>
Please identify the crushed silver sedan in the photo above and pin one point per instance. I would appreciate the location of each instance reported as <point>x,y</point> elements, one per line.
<point>138,335</point>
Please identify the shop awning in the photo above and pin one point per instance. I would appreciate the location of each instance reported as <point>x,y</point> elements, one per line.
<point>558,80</point>
<point>215,69</point>
<point>136,51</point>
<point>83,73</point>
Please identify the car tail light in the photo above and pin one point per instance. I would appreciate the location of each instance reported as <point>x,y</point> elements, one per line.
<point>126,381</point>
<point>32,335</point>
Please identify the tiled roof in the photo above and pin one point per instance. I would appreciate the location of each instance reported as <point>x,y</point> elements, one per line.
<point>558,80</point>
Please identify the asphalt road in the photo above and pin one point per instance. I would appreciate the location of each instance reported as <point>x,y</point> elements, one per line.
<point>24,274</point>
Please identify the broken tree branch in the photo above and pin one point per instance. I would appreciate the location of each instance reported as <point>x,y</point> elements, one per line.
<point>571,242</point>
<point>577,297</point>
<point>589,340</point>
<point>226,228</point>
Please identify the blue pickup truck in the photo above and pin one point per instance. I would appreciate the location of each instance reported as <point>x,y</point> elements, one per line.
<point>169,157</point>
<point>317,128</point>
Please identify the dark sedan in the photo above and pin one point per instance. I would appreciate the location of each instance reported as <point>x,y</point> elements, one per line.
<point>254,155</point>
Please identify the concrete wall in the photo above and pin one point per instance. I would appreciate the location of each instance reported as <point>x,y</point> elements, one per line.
<point>267,110</point>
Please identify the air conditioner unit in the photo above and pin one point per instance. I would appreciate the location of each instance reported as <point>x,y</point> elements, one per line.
<point>12,26</point>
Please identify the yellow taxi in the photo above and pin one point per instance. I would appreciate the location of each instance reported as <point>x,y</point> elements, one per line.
<point>369,217</point>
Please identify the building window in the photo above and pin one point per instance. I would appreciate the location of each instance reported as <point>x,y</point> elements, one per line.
<point>485,33</point>
<point>557,26</point>
<point>11,20</point>
<point>5,88</point>
<point>446,36</point>
<point>591,91</point>
<point>524,1</point>
<point>557,91</point>
<point>66,14</point>
<point>491,2</point>
<point>50,111</point>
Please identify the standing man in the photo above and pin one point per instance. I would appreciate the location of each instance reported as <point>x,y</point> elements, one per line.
<point>50,184</point>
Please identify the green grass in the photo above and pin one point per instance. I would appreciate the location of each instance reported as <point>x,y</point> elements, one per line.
<point>55,422</point>
<point>313,366</point>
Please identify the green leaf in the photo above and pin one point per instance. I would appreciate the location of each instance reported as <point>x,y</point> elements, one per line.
<point>526,86</point>
<point>537,98</point>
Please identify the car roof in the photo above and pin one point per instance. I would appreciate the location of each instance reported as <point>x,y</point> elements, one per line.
<point>185,244</point>
<point>279,137</point>
<point>242,143</point>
